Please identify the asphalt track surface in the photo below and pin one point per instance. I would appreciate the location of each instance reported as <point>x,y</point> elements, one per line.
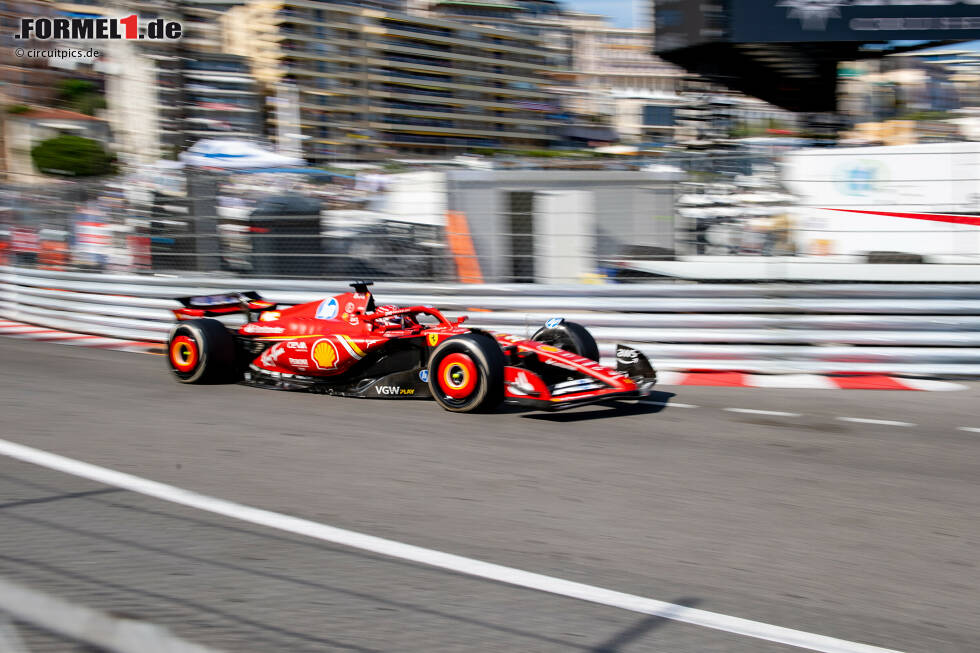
<point>865,532</point>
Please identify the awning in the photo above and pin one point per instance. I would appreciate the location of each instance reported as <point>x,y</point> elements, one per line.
<point>606,134</point>
<point>296,171</point>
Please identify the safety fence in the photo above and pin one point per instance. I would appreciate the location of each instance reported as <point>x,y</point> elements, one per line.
<point>928,330</point>
<point>828,214</point>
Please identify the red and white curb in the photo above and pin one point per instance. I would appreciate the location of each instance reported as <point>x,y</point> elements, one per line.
<point>805,381</point>
<point>33,332</point>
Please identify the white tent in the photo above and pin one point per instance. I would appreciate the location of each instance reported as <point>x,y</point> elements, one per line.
<point>229,153</point>
<point>616,149</point>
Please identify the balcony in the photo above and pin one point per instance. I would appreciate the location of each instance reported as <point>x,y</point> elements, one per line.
<point>388,72</point>
<point>423,139</point>
<point>422,61</point>
<point>392,88</point>
<point>405,27</point>
<point>417,122</point>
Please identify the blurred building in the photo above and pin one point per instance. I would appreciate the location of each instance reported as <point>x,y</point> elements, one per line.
<point>23,80</point>
<point>603,75</point>
<point>22,131</point>
<point>496,14</point>
<point>372,83</point>
<point>221,98</point>
<point>910,97</point>
<point>164,96</point>
<point>616,77</point>
<point>32,81</point>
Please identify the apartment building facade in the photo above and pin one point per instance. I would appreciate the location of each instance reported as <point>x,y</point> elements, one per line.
<point>373,83</point>
<point>604,74</point>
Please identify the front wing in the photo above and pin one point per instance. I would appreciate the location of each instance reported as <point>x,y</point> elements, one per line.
<point>547,378</point>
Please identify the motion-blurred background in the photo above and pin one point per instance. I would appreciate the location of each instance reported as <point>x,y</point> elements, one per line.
<point>499,140</point>
<point>658,171</point>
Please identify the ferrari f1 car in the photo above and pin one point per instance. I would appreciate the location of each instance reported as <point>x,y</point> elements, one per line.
<point>346,345</point>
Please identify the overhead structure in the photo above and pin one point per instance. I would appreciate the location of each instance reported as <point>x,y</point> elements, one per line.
<point>786,51</point>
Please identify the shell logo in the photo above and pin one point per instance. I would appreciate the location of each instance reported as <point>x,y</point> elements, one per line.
<point>324,355</point>
<point>549,349</point>
<point>269,316</point>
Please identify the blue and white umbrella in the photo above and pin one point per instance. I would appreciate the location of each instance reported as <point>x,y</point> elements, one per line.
<point>222,153</point>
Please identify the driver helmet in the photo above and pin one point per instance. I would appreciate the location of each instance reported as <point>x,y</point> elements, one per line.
<point>392,321</point>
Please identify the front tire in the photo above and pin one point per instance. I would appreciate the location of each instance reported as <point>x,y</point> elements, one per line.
<point>466,373</point>
<point>570,336</point>
<point>201,351</point>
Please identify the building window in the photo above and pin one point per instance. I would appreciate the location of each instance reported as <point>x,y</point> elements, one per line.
<point>655,115</point>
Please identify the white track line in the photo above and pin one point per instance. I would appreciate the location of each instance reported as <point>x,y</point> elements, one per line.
<point>969,429</point>
<point>460,564</point>
<point>753,411</point>
<point>883,422</point>
<point>671,404</point>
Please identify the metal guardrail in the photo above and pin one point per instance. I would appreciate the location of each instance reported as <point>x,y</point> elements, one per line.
<point>931,330</point>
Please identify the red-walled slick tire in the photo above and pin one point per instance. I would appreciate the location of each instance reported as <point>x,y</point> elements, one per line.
<point>201,351</point>
<point>466,373</point>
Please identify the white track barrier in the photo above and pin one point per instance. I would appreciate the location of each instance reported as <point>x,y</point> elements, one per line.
<point>913,329</point>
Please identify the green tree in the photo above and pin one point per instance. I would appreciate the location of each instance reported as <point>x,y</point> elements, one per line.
<point>80,95</point>
<point>72,156</point>
<point>70,89</point>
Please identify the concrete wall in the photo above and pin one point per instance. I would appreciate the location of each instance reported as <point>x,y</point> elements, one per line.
<point>609,211</point>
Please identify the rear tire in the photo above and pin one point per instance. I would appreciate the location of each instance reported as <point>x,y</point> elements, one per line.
<point>201,351</point>
<point>466,373</point>
<point>570,336</point>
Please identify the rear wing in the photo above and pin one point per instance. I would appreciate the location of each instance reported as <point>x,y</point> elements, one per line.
<point>222,304</point>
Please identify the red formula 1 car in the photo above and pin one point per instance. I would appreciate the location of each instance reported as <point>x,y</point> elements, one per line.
<point>346,345</point>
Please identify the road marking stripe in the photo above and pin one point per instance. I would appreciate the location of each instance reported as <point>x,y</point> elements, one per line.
<point>753,411</point>
<point>460,564</point>
<point>971,429</point>
<point>672,404</point>
<point>884,422</point>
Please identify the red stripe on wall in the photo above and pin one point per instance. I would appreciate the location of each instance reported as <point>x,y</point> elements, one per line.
<point>934,217</point>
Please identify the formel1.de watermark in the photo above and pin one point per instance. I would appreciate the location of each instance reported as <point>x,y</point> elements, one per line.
<point>98,29</point>
<point>57,53</point>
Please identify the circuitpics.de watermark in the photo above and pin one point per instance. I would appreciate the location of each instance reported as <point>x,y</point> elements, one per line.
<point>98,29</point>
